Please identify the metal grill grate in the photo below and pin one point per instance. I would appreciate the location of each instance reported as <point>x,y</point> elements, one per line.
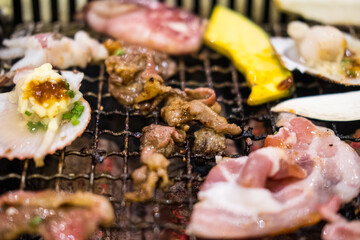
<point>113,134</point>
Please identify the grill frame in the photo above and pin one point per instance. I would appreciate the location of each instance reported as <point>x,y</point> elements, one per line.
<point>208,64</point>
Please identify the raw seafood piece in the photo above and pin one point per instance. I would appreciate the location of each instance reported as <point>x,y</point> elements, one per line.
<point>248,46</point>
<point>58,50</point>
<point>161,138</point>
<point>207,141</point>
<point>53,215</point>
<point>328,107</point>
<point>178,112</point>
<point>322,51</point>
<point>336,12</point>
<point>44,112</point>
<point>147,23</point>
<point>146,177</point>
<point>278,188</point>
<point>135,75</point>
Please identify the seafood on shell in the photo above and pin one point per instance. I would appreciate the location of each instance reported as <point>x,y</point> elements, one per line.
<point>322,51</point>
<point>45,112</point>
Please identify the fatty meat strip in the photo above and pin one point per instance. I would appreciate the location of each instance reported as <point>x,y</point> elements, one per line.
<point>53,215</point>
<point>147,23</point>
<point>278,188</point>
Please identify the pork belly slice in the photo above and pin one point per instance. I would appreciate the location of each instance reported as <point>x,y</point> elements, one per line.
<point>53,215</point>
<point>147,23</point>
<point>278,188</point>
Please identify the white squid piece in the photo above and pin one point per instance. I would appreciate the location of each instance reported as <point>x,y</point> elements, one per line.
<point>58,50</point>
<point>329,107</point>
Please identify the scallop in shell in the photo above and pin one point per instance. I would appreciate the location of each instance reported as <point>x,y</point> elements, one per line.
<point>19,136</point>
<point>322,51</point>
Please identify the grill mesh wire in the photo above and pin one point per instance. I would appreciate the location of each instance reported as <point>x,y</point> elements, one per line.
<point>113,135</point>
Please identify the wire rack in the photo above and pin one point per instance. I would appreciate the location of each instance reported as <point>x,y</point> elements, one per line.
<point>103,158</point>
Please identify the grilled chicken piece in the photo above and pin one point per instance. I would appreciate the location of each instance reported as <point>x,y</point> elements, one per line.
<point>207,141</point>
<point>146,177</point>
<point>53,215</point>
<point>137,75</point>
<point>178,112</point>
<point>161,138</point>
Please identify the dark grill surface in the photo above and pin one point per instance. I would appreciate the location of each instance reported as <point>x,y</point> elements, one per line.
<point>103,158</point>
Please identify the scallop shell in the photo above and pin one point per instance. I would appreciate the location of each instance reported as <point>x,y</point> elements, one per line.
<point>286,50</point>
<point>329,107</point>
<point>16,141</point>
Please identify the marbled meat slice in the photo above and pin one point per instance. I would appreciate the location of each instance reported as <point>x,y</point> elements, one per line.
<point>148,24</point>
<point>53,215</point>
<point>278,188</point>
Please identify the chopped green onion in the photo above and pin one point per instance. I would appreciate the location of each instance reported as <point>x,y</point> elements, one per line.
<point>347,60</point>
<point>74,121</point>
<point>67,116</point>
<point>120,52</point>
<point>275,132</point>
<point>351,73</point>
<point>28,113</point>
<point>35,221</point>
<point>67,85</point>
<point>71,93</point>
<point>33,127</point>
<point>75,113</point>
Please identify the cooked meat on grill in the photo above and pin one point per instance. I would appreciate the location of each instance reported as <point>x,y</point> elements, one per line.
<point>338,228</point>
<point>147,23</point>
<point>161,138</point>
<point>146,177</point>
<point>53,215</point>
<point>58,50</point>
<point>136,76</point>
<point>277,188</point>
<point>178,112</point>
<point>207,141</point>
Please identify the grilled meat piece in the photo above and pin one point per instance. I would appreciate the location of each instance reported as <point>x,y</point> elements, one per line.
<point>207,141</point>
<point>277,188</point>
<point>146,177</point>
<point>161,138</point>
<point>338,228</point>
<point>178,112</point>
<point>147,23</point>
<point>53,215</point>
<point>137,75</point>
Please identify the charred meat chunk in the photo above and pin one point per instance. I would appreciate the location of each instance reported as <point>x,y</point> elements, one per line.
<point>207,141</point>
<point>146,177</point>
<point>137,75</point>
<point>178,112</point>
<point>53,215</point>
<point>161,138</point>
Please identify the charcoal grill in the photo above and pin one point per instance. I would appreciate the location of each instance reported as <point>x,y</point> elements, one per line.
<point>103,158</point>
